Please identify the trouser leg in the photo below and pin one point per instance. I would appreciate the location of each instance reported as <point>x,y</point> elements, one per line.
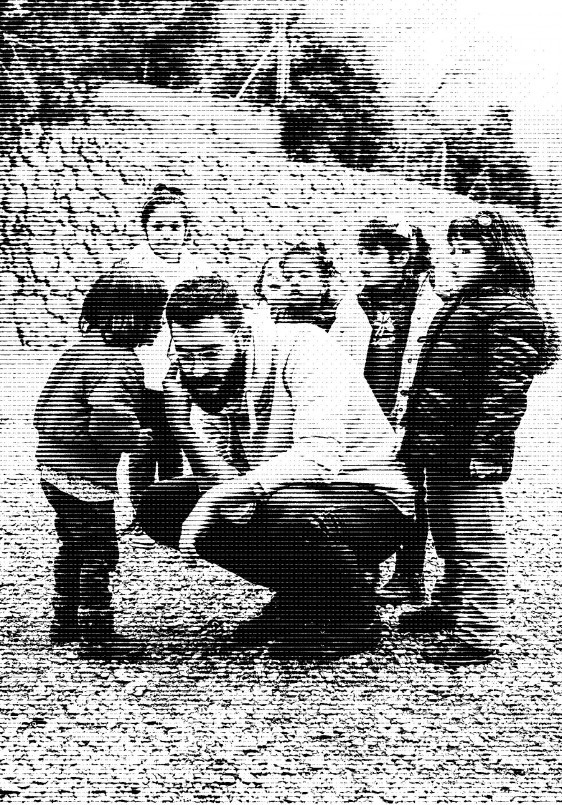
<point>410,558</point>
<point>466,521</point>
<point>164,456</point>
<point>87,556</point>
<point>313,543</point>
<point>100,555</point>
<point>66,568</point>
<point>88,553</point>
<point>164,507</point>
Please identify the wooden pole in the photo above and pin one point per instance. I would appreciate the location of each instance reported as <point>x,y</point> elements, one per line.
<point>283,59</point>
<point>257,67</point>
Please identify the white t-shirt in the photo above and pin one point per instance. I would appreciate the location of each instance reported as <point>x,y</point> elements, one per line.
<point>154,357</point>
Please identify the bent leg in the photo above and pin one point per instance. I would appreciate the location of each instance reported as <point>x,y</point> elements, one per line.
<point>165,506</point>
<point>313,542</point>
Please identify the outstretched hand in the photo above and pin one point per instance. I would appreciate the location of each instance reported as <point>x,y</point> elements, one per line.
<point>234,500</point>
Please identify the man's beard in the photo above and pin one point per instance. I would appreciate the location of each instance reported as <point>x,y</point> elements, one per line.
<point>212,402</point>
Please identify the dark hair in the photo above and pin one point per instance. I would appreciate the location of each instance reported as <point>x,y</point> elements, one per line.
<point>318,254</point>
<point>258,285</point>
<point>162,196</point>
<point>398,238</point>
<point>125,306</point>
<point>203,297</point>
<point>505,243</point>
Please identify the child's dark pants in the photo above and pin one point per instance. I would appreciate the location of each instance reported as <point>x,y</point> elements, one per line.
<point>88,553</point>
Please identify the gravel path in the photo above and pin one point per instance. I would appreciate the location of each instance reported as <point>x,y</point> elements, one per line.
<point>197,722</point>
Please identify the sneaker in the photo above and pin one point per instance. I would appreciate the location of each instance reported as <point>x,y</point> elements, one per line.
<point>456,653</point>
<point>279,618</point>
<point>115,647</point>
<point>427,619</point>
<point>403,589</point>
<point>138,538</point>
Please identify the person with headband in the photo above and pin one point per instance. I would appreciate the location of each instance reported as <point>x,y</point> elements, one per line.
<point>468,396</point>
<point>166,222</point>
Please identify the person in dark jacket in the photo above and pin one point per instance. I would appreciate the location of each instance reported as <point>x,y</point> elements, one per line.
<point>468,397</point>
<point>87,415</point>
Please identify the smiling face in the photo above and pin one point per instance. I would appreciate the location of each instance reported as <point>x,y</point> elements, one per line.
<point>380,270</point>
<point>469,262</point>
<point>166,232</point>
<point>303,283</point>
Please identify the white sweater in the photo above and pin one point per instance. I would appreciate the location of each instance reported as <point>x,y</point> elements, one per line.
<point>311,417</point>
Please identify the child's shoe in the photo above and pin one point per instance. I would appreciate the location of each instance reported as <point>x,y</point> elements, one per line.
<point>426,619</point>
<point>403,589</point>
<point>99,640</point>
<point>64,626</point>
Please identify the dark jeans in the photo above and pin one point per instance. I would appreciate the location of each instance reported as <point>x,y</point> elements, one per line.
<point>164,452</point>
<point>316,541</point>
<point>88,553</point>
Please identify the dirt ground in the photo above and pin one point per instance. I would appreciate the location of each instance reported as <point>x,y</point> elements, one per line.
<point>197,721</point>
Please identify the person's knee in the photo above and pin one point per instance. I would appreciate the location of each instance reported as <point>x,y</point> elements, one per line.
<point>292,503</point>
<point>163,508</point>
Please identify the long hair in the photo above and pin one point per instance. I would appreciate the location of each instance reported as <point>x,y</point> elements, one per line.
<point>505,243</point>
<point>399,238</point>
<point>507,250</point>
<point>258,285</point>
<point>126,306</point>
<point>163,196</point>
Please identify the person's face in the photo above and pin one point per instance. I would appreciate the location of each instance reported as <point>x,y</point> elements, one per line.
<point>166,231</point>
<point>380,271</point>
<point>303,284</point>
<point>273,287</point>
<point>206,351</point>
<point>469,262</point>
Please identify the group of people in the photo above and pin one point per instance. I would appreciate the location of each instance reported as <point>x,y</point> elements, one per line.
<point>300,444</point>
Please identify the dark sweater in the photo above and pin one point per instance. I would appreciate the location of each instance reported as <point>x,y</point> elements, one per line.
<point>470,389</point>
<point>388,342</point>
<point>86,415</point>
